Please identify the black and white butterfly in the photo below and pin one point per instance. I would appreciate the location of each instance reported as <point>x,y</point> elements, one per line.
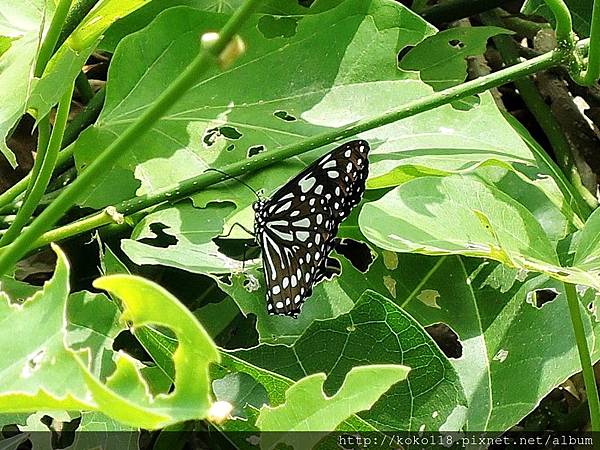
<point>297,226</point>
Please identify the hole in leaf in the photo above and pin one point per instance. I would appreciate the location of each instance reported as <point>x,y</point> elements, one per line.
<point>540,297</point>
<point>404,52</point>
<point>230,133</point>
<point>332,268</point>
<point>456,43</point>
<point>251,283</point>
<point>358,253</point>
<point>160,239</point>
<point>129,344</point>
<point>283,115</point>
<point>446,339</point>
<point>212,134</point>
<point>273,27</point>
<point>230,147</point>
<point>255,150</point>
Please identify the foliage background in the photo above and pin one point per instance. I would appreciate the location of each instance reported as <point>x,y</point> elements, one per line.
<point>440,313</point>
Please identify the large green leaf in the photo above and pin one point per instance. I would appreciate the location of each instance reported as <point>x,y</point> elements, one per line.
<point>67,361</point>
<point>193,230</point>
<point>21,25</point>
<point>462,215</point>
<point>143,16</point>
<point>456,214</point>
<point>376,331</point>
<point>443,56</point>
<point>587,253</point>
<point>307,408</point>
<point>148,304</point>
<point>495,319</point>
<point>40,372</point>
<point>218,122</point>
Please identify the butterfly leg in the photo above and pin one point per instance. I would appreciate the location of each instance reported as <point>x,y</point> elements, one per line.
<point>222,236</point>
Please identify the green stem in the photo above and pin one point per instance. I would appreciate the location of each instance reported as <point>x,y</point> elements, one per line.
<point>591,74</point>
<point>79,9</point>
<point>452,10</point>
<point>564,23</point>
<point>43,141</point>
<point>39,181</point>
<point>204,180</point>
<point>49,44</point>
<point>584,356</point>
<point>104,162</point>
<point>80,122</point>
<point>540,110</point>
<point>83,87</point>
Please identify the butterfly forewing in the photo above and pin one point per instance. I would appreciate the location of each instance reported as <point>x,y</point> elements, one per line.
<point>296,226</point>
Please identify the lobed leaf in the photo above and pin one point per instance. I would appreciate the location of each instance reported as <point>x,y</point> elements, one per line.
<point>375,331</point>
<point>67,361</point>
<point>308,408</point>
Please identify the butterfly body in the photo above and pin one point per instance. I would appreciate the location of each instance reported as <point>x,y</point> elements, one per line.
<point>296,227</point>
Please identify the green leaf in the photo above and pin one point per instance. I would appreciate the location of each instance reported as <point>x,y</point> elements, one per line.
<point>581,11</point>
<point>67,361</point>
<point>376,331</point>
<point>441,59</point>
<point>144,15</point>
<point>193,230</point>
<point>36,370</point>
<point>308,408</point>
<point>241,390</point>
<point>145,303</point>
<point>22,23</point>
<point>433,216</point>
<point>233,122</point>
<point>587,253</point>
<point>70,57</point>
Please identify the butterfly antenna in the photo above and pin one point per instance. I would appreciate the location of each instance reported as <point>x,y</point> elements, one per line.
<point>235,178</point>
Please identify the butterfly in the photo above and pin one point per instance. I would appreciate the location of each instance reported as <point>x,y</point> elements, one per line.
<point>296,227</point>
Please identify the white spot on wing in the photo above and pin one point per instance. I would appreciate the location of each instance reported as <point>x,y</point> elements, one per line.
<point>304,223</point>
<point>306,184</point>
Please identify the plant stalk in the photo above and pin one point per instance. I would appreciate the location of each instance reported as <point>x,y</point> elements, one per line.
<point>564,23</point>
<point>83,87</point>
<point>80,122</point>
<point>105,161</point>
<point>587,368</point>
<point>204,180</point>
<point>590,75</point>
<point>47,157</point>
<point>49,43</point>
<point>540,110</point>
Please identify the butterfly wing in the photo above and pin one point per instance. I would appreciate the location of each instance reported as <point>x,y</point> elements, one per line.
<point>296,227</point>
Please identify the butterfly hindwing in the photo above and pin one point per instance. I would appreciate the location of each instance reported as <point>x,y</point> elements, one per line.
<point>296,226</point>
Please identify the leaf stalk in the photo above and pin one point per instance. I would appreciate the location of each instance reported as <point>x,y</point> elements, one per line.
<point>44,165</point>
<point>589,378</point>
